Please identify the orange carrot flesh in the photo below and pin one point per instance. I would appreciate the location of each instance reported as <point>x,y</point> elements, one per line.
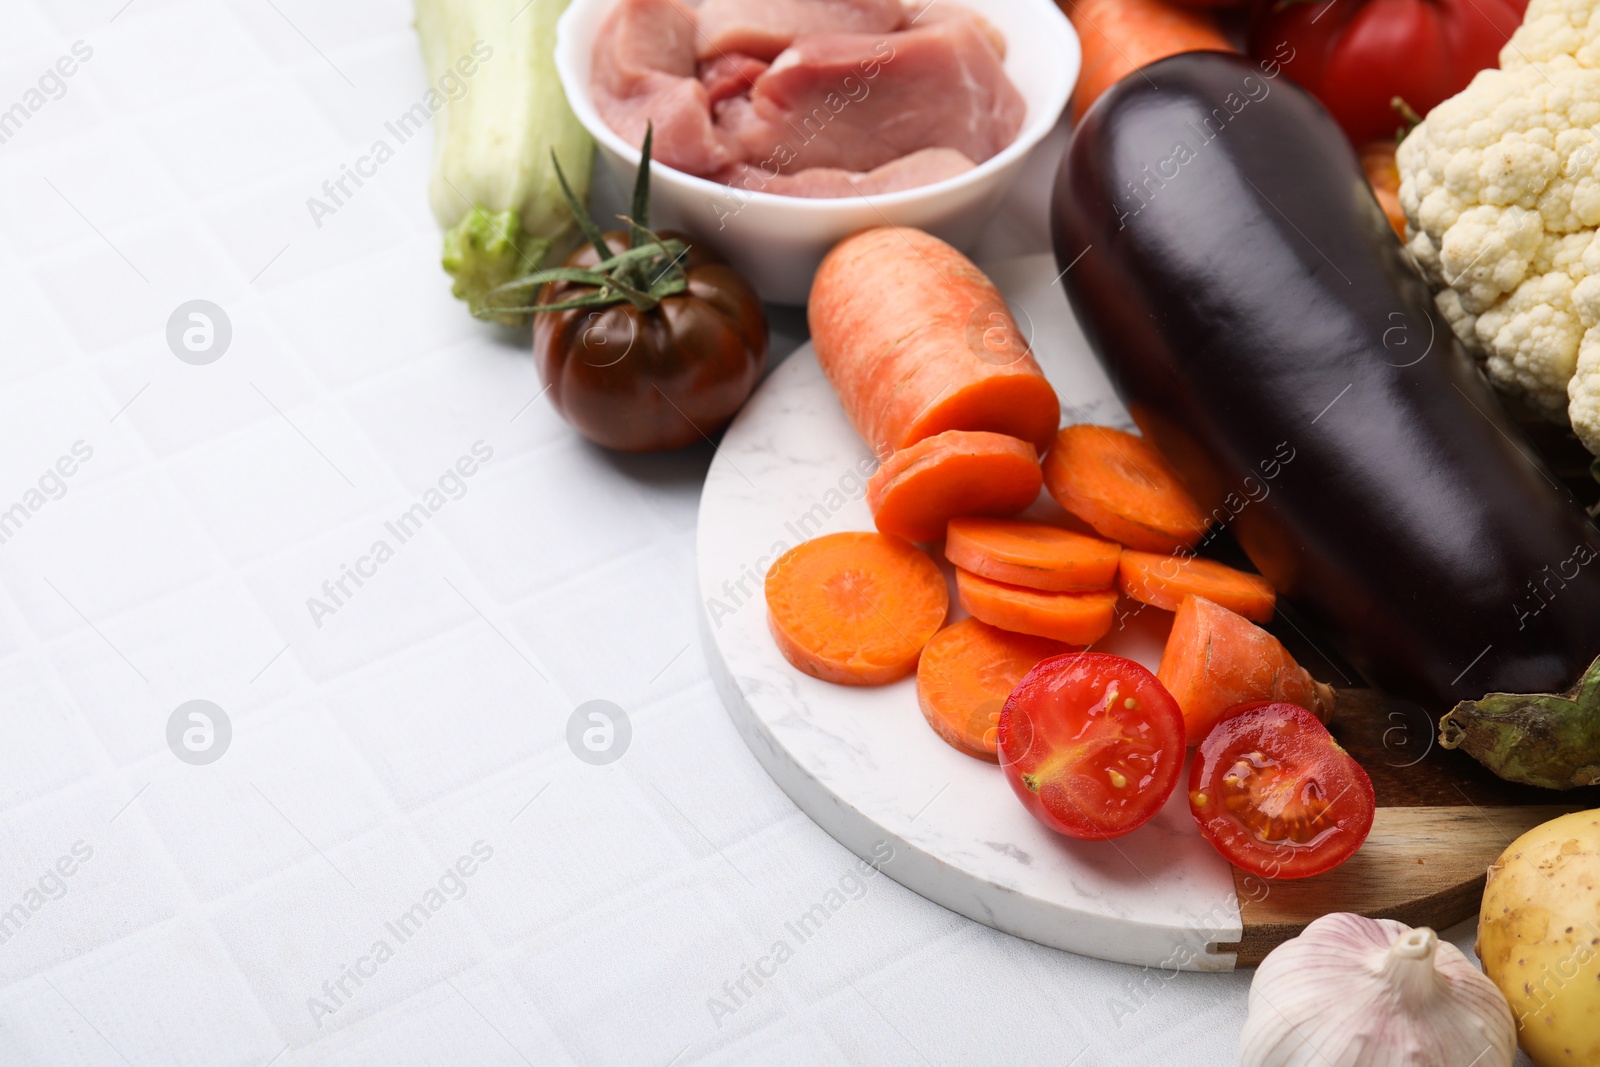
<point>1163,582</point>
<point>1033,555</point>
<point>1076,618</point>
<point>1216,660</point>
<point>918,490</point>
<point>1121,486</point>
<point>917,341</point>
<point>1120,36</point>
<point>1383,174</point>
<point>965,675</point>
<point>855,608</point>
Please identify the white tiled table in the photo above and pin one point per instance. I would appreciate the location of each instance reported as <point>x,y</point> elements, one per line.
<point>427,714</point>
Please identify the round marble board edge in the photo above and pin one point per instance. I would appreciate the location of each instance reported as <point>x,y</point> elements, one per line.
<point>861,762</point>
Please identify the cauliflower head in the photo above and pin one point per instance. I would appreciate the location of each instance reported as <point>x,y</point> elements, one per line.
<point>1501,189</point>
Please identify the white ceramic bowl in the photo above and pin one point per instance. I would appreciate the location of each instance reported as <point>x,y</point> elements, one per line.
<point>777,241</point>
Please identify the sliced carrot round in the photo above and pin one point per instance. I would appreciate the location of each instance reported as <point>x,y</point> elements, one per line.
<point>855,608</point>
<point>1034,555</point>
<point>919,489</point>
<point>1120,485</point>
<point>1163,582</point>
<point>965,675</point>
<point>1076,618</point>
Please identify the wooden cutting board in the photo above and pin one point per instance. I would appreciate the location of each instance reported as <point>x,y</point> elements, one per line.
<point>1442,820</point>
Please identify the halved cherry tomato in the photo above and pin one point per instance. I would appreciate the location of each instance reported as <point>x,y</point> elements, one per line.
<point>1091,743</point>
<point>1276,795</point>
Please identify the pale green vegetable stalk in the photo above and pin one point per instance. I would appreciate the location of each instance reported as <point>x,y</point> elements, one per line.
<point>493,187</point>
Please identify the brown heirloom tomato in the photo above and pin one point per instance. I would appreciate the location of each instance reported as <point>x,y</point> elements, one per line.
<point>645,380</point>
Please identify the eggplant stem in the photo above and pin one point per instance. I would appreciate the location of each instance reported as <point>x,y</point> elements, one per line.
<point>1551,740</point>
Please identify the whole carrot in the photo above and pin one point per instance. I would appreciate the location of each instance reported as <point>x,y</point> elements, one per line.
<point>1120,36</point>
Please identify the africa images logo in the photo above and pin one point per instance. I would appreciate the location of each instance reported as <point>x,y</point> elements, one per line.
<point>199,332</point>
<point>199,732</point>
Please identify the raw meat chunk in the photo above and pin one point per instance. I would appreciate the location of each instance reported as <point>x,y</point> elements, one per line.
<point>763,28</point>
<point>858,101</point>
<point>908,172</point>
<point>644,72</point>
<point>731,75</point>
<point>810,98</point>
<point>927,14</point>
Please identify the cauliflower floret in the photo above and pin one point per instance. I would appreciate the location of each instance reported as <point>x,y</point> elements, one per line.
<point>1532,339</point>
<point>1583,394</point>
<point>1583,390</point>
<point>1501,190</point>
<point>1555,34</point>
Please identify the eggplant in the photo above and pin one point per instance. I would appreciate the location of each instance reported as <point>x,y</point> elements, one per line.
<point>1237,279</point>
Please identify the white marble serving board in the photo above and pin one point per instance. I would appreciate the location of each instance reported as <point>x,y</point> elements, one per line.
<point>862,762</point>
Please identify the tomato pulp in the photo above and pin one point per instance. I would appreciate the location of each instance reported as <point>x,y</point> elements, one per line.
<point>1276,795</point>
<point>1091,743</point>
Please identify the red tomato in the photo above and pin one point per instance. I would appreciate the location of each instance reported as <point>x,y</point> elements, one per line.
<point>1092,744</point>
<point>1276,795</point>
<point>1358,55</point>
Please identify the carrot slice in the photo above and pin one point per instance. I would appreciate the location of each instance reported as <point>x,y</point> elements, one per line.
<point>1163,582</point>
<point>1120,485</point>
<point>1216,660</point>
<point>966,673</point>
<point>855,608</point>
<point>1076,618</point>
<point>917,491</point>
<point>916,340</point>
<point>1034,555</point>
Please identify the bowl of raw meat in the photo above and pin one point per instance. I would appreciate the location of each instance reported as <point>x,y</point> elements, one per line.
<point>782,126</point>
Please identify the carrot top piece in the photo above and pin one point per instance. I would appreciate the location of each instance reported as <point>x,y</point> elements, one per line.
<point>965,675</point>
<point>916,491</point>
<point>1216,660</point>
<point>916,341</point>
<point>1031,554</point>
<point>1163,582</point>
<point>855,608</point>
<point>1120,485</point>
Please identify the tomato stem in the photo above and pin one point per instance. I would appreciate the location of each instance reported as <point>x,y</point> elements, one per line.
<point>1409,118</point>
<point>647,272</point>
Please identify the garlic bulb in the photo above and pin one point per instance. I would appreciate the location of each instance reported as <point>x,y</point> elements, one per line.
<point>1358,992</point>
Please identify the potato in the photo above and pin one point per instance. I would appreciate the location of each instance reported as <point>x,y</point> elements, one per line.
<point>1539,938</point>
